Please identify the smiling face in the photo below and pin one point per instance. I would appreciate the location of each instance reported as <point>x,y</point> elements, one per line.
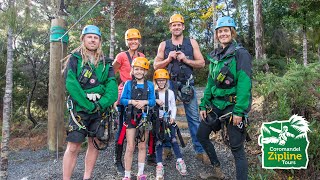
<point>91,41</point>
<point>176,28</point>
<point>133,43</point>
<point>161,83</point>
<point>224,35</point>
<point>138,72</point>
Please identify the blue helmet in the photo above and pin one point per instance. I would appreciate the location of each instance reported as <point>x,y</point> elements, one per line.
<point>225,21</point>
<point>91,29</point>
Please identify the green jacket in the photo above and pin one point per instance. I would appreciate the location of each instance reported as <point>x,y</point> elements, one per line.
<point>107,86</point>
<point>240,69</point>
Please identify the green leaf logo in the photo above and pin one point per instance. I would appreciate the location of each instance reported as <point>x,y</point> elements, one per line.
<point>285,144</point>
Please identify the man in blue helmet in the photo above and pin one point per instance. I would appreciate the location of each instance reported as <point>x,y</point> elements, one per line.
<point>228,95</point>
<point>92,88</point>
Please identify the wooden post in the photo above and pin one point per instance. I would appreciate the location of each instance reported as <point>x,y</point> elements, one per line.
<point>56,102</point>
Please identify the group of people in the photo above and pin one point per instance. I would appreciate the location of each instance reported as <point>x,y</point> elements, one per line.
<point>148,108</point>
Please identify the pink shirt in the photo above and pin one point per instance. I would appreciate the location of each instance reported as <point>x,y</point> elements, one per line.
<point>124,70</point>
<point>125,66</point>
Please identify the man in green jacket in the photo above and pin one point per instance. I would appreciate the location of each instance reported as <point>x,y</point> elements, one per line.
<point>228,91</point>
<point>92,88</point>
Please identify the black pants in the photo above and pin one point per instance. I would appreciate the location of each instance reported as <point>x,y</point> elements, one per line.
<point>236,138</point>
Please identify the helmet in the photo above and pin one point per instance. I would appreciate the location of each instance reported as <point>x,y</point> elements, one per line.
<point>161,74</point>
<point>91,29</point>
<point>141,62</point>
<point>176,18</point>
<point>132,33</point>
<point>225,21</point>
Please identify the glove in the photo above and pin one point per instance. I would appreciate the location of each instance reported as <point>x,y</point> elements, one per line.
<point>93,96</point>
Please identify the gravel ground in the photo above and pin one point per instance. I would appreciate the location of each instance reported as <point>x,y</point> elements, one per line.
<point>41,164</point>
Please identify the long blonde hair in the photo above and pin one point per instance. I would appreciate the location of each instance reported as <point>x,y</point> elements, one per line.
<point>85,55</point>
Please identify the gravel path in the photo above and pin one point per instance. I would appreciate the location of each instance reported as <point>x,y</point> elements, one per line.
<point>41,164</point>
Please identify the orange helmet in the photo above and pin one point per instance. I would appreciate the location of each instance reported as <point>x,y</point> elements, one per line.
<point>176,18</point>
<point>161,74</point>
<point>132,33</point>
<point>141,62</point>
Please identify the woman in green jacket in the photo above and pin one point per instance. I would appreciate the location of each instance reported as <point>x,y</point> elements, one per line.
<point>228,91</point>
<point>92,88</point>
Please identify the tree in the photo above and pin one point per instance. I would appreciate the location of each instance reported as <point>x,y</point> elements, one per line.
<point>259,51</point>
<point>7,99</point>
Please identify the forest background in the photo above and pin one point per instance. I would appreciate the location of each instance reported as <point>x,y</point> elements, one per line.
<point>282,35</point>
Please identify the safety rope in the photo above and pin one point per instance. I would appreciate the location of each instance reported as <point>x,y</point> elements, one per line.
<point>62,47</point>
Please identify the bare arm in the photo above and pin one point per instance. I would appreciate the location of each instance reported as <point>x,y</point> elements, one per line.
<point>198,61</point>
<point>159,61</point>
<point>116,65</point>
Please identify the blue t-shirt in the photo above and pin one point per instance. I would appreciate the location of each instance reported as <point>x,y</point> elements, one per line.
<point>126,93</point>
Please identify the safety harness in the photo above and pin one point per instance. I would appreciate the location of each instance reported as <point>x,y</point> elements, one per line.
<point>162,127</point>
<point>181,73</point>
<point>137,117</point>
<point>87,80</point>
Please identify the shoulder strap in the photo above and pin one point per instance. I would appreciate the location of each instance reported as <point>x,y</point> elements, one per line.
<point>129,57</point>
<point>156,92</point>
<point>166,102</point>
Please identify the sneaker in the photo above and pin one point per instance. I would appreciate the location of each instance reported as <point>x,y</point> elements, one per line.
<point>126,178</point>
<point>160,172</point>
<point>181,167</point>
<point>142,177</point>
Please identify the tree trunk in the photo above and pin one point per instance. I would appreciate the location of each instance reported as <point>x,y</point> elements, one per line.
<point>258,29</point>
<point>305,46</point>
<point>214,23</point>
<point>7,100</point>
<point>257,6</point>
<point>29,100</point>
<point>250,41</point>
<point>112,30</point>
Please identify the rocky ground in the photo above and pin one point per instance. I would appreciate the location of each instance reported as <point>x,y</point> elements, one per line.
<point>41,164</point>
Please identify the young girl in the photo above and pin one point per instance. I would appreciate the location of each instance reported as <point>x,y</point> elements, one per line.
<point>136,96</point>
<point>122,64</point>
<point>161,77</point>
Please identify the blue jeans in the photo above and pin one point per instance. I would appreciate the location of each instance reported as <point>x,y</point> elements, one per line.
<point>193,119</point>
<point>173,142</point>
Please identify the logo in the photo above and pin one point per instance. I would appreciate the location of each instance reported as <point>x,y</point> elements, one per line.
<point>92,81</point>
<point>285,144</point>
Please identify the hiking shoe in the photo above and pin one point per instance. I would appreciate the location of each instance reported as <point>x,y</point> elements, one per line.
<point>181,167</point>
<point>142,177</point>
<point>199,156</point>
<point>120,169</point>
<point>151,160</point>
<point>206,159</point>
<point>167,154</point>
<point>126,178</point>
<point>216,173</point>
<point>159,172</point>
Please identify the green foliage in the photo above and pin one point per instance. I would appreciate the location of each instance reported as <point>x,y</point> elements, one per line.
<point>292,93</point>
<point>313,150</point>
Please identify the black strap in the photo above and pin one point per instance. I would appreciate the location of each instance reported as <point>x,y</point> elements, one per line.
<point>166,103</point>
<point>129,57</point>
